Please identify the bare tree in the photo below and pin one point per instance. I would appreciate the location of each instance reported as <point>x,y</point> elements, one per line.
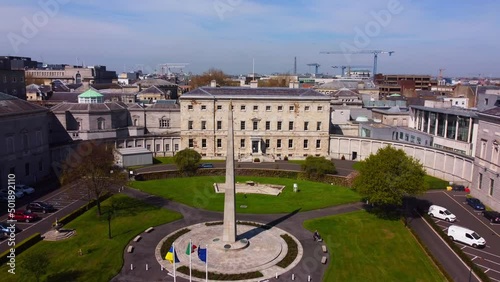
<point>204,79</point>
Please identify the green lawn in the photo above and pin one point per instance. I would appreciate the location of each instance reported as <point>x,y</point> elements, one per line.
<point>102,258</point>
<point>363,247</point>
<point>199,192</point>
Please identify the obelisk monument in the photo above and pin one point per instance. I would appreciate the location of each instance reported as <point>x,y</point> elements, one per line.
<point>229,231</point>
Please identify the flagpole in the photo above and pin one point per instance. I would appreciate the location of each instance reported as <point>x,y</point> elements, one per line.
<point>206,263</point>
<point>190,251</point>
<point>173,247</point>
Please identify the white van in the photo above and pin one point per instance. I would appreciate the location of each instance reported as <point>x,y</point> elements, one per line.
<point>466,236</point>
<point>441,213</point>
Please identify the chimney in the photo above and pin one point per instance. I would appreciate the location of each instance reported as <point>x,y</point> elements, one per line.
<point>294,84</point>
<point>254,84</point>
<point>213,83</point>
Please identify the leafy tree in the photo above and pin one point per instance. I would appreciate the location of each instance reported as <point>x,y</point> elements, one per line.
<point>277,81</point>
<point>318,166</point>
<point>388,176</point>
<point>204,79</point>
<point>187,160</point>
<point>34,264</point>
<point>93,163</point>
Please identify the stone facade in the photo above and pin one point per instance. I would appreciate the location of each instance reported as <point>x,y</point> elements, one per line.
<point>157,119</point>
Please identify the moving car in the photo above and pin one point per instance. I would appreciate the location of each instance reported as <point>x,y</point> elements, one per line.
<point>6,228</point>
<point>23,215</point>
<point>492,216</point>
<point>206,165</point>
<point>40,207</point>
<point>25,189</point>
<point>441,213</point>
<point>466,236</point>
<point>475,204</point>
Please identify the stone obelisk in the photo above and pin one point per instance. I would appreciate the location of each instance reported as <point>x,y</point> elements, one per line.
<point>229,233</point>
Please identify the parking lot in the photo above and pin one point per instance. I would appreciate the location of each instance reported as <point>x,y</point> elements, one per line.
<point>65,200</point>
<point>488,258</point>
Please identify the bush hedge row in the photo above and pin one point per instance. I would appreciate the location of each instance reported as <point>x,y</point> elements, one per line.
<point>220,276</point>
<point>170,240</point>
<point>291,255</point>
<point>478,271</point>
<point>21,247</point>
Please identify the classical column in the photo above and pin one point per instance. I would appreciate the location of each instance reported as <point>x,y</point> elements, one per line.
<point>229,228</point>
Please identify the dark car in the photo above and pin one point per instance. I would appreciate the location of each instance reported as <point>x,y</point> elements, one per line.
<point>456,187</point>
<point>7,228</point>
<point>492,216</point>
<point>23,215</point>
<point>475,204</point>
<point>40,207</point>
<point>206,165</point>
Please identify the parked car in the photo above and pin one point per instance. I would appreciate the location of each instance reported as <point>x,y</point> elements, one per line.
<point>25,189</point>
<point>456,187</point>
<point>18,194</point>
<point>466,236</point>
<point>492,216</point>
<point>206,165</point>
<point>40,207</point>
<point>23,215</point>
<point>441,213</point>
<point>475,204</point>
<point>5,228</point>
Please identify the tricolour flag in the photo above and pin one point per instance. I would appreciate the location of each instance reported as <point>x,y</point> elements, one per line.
<point>190,249</point>
<point>202,254</point>
<point>171,255</point>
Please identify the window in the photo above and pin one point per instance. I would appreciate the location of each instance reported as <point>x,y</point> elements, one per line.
<point>242,125</point>
<point>255,108</point>
<point>242,107</point>
<point>190,107</point>
<point>306,144</point>
<point>255,125</point>
<point>280,108</point>
<point>480,186</point>
<point>219,143</point>
<point>191,143</point>
<point>486,101</point>
<point>242,143</point>
<point>203,124</point>
<point>407,137</point>
<point>290,143</point>
<point>306,125</point>
<point>176,147</point>
<point>268,143</point>
<point>278,125</point>
<point>203,143</point>
<point>158,147</point>
<point>320,108</point>
<point>100,124</point>
<point>10,144</point>
<point>167,147</point>
<point>318,144</point>
<point>26,169</point>
<point>219,107</point>
<point>203,107</point>
<point>318,125</point>
<point>483,148</point>
<point>419,140</point>
<point>190,124</point>
<point>14,79</point>
<point>268,108</point>
<point>136,122</point>
<point>268,125</point>
<point>292,108</point>
<point>25,141</point>
<point>278,143</point>
<point>307,108</point>
<point>164,123</point>
<point>219,124</point>
<point>290,125</point>
<point>492,184</point>
<point>401,135</point>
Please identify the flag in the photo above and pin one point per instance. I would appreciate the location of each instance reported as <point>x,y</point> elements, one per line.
<point>202,254</point>
<point>171,255</point>
<point>190,249</point>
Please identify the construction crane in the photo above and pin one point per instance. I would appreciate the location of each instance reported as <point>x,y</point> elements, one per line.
<point>169,66</point>
<point>343,68</point>
<point>374,52</point>
<point>316,67</point>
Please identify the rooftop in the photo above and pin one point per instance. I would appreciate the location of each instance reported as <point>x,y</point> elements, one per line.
<point>452,110</point>
<point>10,105</point>
<point>492,112</point>
<point>134,151</point>
<point>91,93</point>
<point>254,93</point>
<point>100,107</point>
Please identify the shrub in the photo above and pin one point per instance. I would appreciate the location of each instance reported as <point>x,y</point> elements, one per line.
<point>292,253</point>
<point>170,240</point>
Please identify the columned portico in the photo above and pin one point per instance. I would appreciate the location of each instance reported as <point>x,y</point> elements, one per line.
<point>256,145</point>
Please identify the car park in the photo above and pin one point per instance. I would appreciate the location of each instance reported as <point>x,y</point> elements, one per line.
<point>19,194</point>
<point>441,213</point>
<point>6,228</point>
<point>23,215</point>
<point>475,204</point>
<point>492,216</point>
<point>40,207</point>
<point>206,165</point>
<point>25,189</point>
<point>466,236</point>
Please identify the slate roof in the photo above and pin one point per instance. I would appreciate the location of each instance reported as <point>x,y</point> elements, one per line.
<point>492,112</point>
<point>339,84</point>
<point>98,107</point>
<point>345,92</point>
<point>10,105</point>
<point>274,93</point>
<point>152,90</point>
<point>154,81</point>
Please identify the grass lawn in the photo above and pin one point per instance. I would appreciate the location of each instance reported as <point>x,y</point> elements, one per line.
<point>102,258</point>
<point>363,247</point>
<point>199,192</point>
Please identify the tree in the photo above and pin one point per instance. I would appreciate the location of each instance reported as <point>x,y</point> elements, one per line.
<point>388,176</point>
<point>34,264</point>
<point>315,167</point>
<point>94,165</point>
<point>277,81</point>
<point>212,74</point>
<point>187,160</point>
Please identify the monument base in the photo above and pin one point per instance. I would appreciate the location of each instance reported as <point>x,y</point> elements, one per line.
<point>218,244</point>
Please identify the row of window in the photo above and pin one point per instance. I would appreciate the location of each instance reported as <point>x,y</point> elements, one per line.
<point>47,73</point>
<point>10,141</point>
<point>492,184</point>
<point>27,170</point>
<point>255,125</point>
<point>13,79</point>
<point>256,108</point>
<point>279,143</point>
<point>494,155</point>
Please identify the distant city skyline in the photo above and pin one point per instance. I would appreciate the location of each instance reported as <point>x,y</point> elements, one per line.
<point>426,35</point>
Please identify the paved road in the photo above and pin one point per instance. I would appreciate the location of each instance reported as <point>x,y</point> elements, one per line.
<point>489,257</point>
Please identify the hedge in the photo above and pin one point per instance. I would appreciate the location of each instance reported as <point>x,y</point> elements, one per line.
<point>458,250</point>
<point>23,246</point>
<point>292,253</point>
<point>76,213</point>
<point>220,276</point>
<point>170,240</point>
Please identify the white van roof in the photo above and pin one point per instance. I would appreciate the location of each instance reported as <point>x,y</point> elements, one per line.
<point>437,207</point>
<point>458,227</point>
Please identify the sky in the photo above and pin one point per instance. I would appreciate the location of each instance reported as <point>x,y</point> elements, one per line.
<point>425,35</point>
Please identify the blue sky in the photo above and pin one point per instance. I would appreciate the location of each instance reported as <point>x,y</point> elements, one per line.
<point>426,35</point>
